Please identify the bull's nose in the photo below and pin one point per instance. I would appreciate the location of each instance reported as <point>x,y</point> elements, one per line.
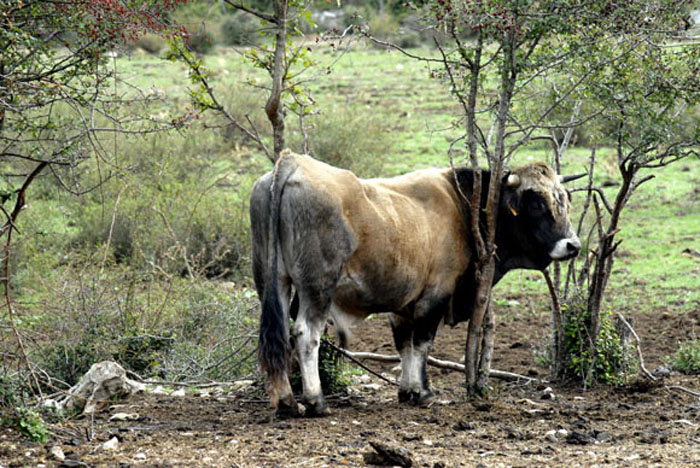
<point>566,248</point>
<point>573,246</point>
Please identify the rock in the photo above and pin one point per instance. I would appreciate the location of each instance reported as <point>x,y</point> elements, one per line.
<point>178,393</point>
<point>124,417</point>
<point>661,371</point>
<point>688,252</point>
<point>56,453</point>
<point>140,456</point>
<point>579,438</point>
<point>157,390</point>
<point>241,385</point>
<point>51,403</point>
<point>653,436</point>
<point>386,455</point>
<point>603,437</point>
<point>548,394</point>
<point>513,433</point>
<point>551,436</point>
<point>463,426</point>
<point>371,386</point>
<point>111,444</point>
<point>104,382</point>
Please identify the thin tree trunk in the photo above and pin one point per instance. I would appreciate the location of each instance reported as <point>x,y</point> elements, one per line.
<point>486,263</point>
<point>274,108</point>
<point>488,328</point>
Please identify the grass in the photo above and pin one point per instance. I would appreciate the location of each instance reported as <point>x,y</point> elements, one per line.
<point>171,171</point>
<point>660,222</point>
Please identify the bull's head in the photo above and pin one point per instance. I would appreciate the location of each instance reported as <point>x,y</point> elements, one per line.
<point>537,208</point>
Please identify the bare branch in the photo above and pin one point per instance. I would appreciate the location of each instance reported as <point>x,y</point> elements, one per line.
<point>243,7</point>
<point>643,369</point>
<point>439,363</point>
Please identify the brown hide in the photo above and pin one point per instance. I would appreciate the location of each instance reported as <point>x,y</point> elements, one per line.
<point>407,233</point>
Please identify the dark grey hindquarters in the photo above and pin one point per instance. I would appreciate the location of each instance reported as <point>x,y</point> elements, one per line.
<point>315,244</point>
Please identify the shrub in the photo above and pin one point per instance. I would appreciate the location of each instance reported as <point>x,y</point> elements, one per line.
<point>177,215</point>
<point>240,29</point>
<point>350,138</point>
<point>176,330</point>
<point>383,26</point>
<point>201,41</point>
<point>29,422</point>
<point>151,43</point>
<point>332,370</point>
<point>687,357</point>
<point>614,357</point>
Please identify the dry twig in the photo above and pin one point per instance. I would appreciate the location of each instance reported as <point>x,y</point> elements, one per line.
<point>643,369</point>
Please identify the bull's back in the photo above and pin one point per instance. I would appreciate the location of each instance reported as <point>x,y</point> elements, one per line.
<point>390,238</point>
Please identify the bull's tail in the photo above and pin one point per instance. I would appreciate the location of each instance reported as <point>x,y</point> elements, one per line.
<point>274,351</point>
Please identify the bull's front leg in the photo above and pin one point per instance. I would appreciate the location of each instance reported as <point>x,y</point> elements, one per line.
<point>413,340</point>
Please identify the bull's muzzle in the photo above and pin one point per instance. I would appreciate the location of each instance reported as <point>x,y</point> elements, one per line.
<point>566,248</point>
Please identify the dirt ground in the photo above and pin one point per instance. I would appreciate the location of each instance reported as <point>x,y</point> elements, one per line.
<point>637,425</point>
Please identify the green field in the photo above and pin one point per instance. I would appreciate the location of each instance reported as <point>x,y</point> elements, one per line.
<point>162,250</point>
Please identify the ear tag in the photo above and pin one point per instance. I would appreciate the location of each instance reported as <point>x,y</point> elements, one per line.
<point>512,210</point>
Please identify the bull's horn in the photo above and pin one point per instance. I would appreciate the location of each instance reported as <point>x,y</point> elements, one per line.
<point>568,178</point>
<point>513,180</point>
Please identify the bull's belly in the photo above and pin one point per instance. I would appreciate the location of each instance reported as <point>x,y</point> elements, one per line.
<point>360,297</point>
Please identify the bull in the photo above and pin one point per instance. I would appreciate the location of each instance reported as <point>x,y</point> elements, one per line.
<point>326,243</point>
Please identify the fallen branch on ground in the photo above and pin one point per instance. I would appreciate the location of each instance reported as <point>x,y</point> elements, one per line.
<point>442,364</point>
<point>682,389</point>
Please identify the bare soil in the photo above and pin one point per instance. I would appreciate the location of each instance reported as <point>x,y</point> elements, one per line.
<point>641,424</point>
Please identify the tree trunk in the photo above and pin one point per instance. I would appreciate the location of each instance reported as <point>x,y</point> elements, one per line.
<point>274,108</point>
<point>486,262</point>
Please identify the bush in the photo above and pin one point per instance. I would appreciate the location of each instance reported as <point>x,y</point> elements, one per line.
<point>240,29</point>
<point>200,41</point>
<point>687,358</point>
<point>175,330</point>
<point>350,138</point>
<point>614,357</point>
<point>383,26</point>
<point>172,214</point>
<point>28,422</point>
<point>151,43</point>
<point>332,370</point>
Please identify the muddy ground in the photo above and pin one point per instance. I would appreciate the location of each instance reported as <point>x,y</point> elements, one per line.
<point>639,424</point>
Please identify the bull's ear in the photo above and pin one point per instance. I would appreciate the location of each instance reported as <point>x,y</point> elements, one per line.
<point>513,204</point>
<point>510,199</point>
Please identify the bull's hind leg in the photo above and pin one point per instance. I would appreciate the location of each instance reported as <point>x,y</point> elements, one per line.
<point>413,339</point>
<point>316,243</point>
<point>307,331</point>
